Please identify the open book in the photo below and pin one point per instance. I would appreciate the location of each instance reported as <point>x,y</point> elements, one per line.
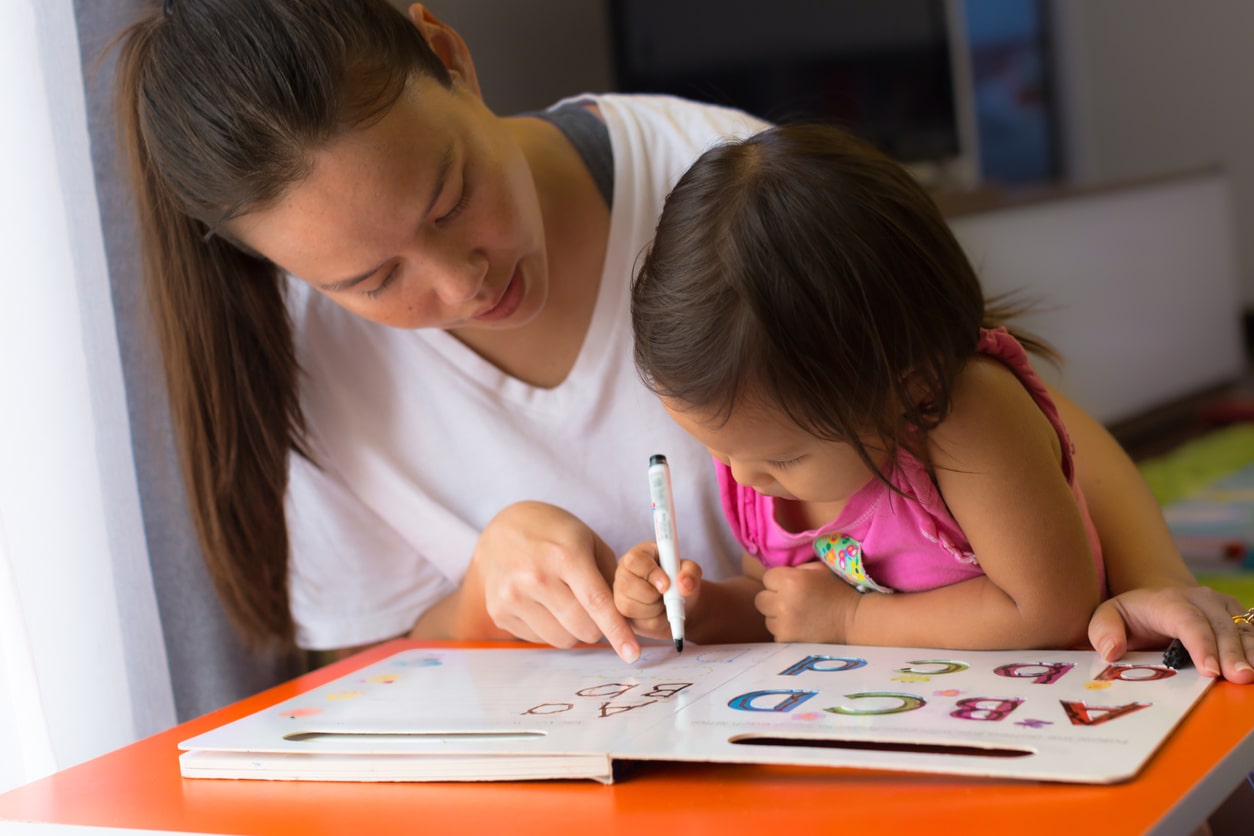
<point>526,714</point>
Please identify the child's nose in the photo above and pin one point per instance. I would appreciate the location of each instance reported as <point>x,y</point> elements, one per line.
<point>752,477</point>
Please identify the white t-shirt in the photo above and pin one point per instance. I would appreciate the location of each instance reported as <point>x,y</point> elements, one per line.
<point>421,442</point>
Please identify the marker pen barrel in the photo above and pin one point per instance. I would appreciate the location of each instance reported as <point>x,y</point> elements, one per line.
<point>667,543</point>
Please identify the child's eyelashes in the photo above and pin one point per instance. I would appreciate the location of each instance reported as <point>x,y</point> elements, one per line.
<point>785,463</point>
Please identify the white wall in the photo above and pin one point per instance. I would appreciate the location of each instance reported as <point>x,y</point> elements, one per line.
<point>1153,86</point>
<point>1149,86</point>
<point>1137,287</point>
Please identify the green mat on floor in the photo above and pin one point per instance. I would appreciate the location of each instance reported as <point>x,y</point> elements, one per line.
<point>1239,585</point>
<point>1198,463</point>
<point>1194,469</point>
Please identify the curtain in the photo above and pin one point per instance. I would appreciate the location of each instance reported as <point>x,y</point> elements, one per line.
<point>208,664</point>
<point>109,629</point>
<point>82,662</point>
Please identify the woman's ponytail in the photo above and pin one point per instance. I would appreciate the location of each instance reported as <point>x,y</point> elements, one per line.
<point>231,378</point>
<point>221,107</point>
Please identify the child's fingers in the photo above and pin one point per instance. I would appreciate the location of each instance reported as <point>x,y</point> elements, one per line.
<point>640,560</point>
<point>689,578</point>
<point>767,602</point>
<point>774,579</point>
<point>813,566</point>
<point>634,592</point>
<point>688,581</point>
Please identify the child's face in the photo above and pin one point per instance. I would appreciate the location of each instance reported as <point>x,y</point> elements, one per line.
<point>426,218</point>
<point>768,452</point>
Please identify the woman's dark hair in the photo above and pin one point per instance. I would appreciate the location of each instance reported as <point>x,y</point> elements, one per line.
<point>803,268</point>
<point>220,106</point>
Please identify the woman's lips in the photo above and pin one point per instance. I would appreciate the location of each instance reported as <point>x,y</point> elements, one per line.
<point>507,304</point>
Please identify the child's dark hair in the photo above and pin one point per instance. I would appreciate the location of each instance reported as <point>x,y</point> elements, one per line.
<point>803,268</point>
<point>220,106</point>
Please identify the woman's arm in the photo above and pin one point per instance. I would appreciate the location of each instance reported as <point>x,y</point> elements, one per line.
<point>1155,597</point>
<point>462,615</point>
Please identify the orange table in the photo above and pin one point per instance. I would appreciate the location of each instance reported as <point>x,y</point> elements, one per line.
<point>139,787</point>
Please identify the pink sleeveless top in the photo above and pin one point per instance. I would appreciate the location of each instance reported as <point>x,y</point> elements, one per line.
<point>885,541</point>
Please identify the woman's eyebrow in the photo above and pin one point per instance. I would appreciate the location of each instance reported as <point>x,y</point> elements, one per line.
<point>446,164</point>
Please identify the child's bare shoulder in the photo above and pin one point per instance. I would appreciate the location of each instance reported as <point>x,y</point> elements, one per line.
<point>991,410</point>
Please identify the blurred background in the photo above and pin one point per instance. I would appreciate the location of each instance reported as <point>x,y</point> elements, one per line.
<point>1075,91</point>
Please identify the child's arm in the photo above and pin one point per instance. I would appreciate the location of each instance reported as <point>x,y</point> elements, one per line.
<point>997,463</point>
<point>715,611</point>
<point>1136,544</point>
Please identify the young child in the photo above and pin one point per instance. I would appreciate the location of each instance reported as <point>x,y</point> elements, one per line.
<point>890,462</point>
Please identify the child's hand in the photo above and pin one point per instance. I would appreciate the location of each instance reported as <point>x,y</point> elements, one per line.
<point>638,586</point>
<point>806,603</point>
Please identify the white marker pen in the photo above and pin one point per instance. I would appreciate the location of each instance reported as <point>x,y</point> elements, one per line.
<point>667,543</point>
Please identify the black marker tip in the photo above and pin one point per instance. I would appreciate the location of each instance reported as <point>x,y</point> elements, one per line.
<point>1176,656</point>
<point>679,645</point>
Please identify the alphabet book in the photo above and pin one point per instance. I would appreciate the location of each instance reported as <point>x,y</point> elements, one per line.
<point>539,713</point>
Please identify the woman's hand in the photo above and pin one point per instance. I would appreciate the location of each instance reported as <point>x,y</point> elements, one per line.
<point>1198,615</point>
<point>543,575</point>
<point>639,584</point>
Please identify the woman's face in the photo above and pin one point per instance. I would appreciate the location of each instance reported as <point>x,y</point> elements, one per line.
<point>426,218</point>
